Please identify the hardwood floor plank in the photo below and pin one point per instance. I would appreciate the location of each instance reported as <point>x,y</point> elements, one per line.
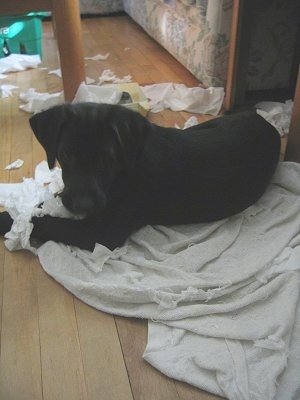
<point>21,144</point>
<point>188,392</point>
<point>6,128</point>
<point>20,367</point>
<point>102,355</point>
<point>147,383</point>
<point>61,355</point>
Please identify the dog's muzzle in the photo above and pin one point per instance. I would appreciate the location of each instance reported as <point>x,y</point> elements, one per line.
<point>87,204</point>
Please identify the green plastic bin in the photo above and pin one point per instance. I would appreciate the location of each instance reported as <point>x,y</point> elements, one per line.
<point>21,34</point>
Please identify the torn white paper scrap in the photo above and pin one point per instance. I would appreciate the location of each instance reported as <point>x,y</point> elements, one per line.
<point>15,164</point>
<point>89,80</point>
<point>106,76</point>
<point>36,101</point>
<point>125,79</point>
<point>97,94</point>
<point>56,72</point>
<point>53,178</point>
<point>18,62</point>
<point>22,201</point>
<point>109,76</point>
<point>7,189</point>
<point>277,114</point>
<point>98,57</point>
<point>6,90</point>
<point>192,121</point>
<point>178,97</point>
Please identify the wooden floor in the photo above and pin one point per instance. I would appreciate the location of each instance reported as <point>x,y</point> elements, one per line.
<point>52,345</point>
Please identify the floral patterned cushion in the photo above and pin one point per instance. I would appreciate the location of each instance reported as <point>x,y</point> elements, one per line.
<point>195,32</point>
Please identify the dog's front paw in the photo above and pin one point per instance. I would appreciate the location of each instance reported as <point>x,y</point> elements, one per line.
<point>5,223</point>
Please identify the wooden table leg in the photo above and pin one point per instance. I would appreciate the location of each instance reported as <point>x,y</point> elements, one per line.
<point>70,45</point>
<point>293,144</point>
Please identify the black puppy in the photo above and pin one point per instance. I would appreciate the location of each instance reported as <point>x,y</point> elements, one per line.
<point>122,172</point>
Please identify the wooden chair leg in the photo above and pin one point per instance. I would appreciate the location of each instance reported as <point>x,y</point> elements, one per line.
<point>70,45</point>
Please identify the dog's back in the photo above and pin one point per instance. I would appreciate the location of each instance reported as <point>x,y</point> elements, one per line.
<point>209,171</point>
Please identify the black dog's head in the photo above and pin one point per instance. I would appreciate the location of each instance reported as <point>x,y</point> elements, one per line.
<point>90,142</point>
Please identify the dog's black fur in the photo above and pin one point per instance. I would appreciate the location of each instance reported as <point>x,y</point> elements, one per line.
<point>123,172</point>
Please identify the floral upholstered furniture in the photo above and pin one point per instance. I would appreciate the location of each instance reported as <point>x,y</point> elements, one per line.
<point>195,32</point>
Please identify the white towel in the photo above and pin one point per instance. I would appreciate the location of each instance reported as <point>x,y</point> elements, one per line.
<point>222,298</point>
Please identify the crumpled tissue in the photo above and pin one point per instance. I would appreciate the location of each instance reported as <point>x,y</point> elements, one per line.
<point>97,94</point>
<point>36,101</point>
<point>175,96</point>
<point>98,57</point>
<point>178,97</point>
<point>192,121</point>
<point>15,164</point>
<point>19,62</point>
<point>109,76</point>
<point>22,201</point>
<point>89,80</point>
<point>6,90</point>
<point>277,114</point>
<point>56,72</point>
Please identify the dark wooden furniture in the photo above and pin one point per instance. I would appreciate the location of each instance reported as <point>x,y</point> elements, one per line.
<point>238,46</point>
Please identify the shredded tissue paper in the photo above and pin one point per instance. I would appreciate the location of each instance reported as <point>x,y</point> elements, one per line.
<point>98,57</point>
<point>6,90</point>
<point>178,97</point>
<point>35,101</point>
<point>15,164</point>
<point>18,62</point>
<point>276,113</point>
<point>194,100</point>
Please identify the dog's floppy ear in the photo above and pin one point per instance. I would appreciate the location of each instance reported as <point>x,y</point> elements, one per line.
<point>47,127</point>
<point>130,130</point>
<point>126,152</point>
